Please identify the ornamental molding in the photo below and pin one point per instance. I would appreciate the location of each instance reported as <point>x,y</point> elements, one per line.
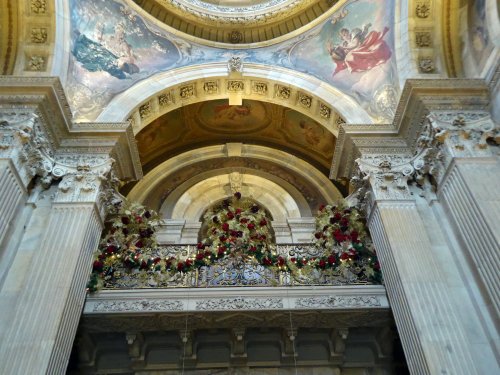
<point>23,140</point>
<point>329,302</point>
<point>138,306</point>
<point>256,14</point>
<point>48,144</point>
<point>240,303</point>
<point>419,98</point>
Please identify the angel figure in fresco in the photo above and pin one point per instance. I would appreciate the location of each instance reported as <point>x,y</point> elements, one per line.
<point>359,50</point>
<point>230,112</point>
<point>310,133</point>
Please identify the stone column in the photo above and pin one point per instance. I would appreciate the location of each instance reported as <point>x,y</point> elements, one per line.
<point>45,288</point>
<point>14,178</point>
<point>426,302</point>
<point>469,189</point>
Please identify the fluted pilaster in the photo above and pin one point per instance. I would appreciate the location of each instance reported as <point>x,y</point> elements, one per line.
<point>48,307</point>
<point>432,334</point>
<point>469,192</point>
<point>11,194</point>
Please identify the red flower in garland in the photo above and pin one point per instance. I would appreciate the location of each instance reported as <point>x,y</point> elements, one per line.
<point>251,226</point>
<point>331,259</point>
<point>322,263</point>
<point>111,249</point>
<point>281,261</point>
<point>344,256</point>
<point>180,266</point>
<point>263,222</point>
<point>338,235</point>
<point>230,215</point>
<point>225,227</point>
<point>200,256</point>
<point>97,266</point>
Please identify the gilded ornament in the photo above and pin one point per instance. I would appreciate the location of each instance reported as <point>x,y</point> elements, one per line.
<point>38,35</point>
<point>423,39</point>
<point>211,87</point>
<point>423,10</point>
<point>186,92</point>
<point>304,100</point>
<point>259,88</point>
<point>38,6</point>
<point>324,111</point>
<point>145,110</point>
<point>235,86</point>
<point>165,99</point>
<point>282,92</point>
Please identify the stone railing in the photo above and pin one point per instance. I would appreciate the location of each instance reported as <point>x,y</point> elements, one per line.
<point>229,272</point>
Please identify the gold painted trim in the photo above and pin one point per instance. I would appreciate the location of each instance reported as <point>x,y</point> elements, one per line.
<point>451,38</point>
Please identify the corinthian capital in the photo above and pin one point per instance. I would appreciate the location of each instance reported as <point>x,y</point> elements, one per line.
<point>387,175</point>
<point>466,133</point>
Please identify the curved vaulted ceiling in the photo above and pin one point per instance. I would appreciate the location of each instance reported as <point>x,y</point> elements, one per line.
<point>236,22</point>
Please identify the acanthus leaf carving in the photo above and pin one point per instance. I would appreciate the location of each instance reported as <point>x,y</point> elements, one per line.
<point>337,302</point>
<point>240,303</point>
<point>467,133</point>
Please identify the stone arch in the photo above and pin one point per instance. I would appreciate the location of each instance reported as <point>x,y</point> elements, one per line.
<point>149,99</point>
<point>147,185</point>
<point>197,198</point>
<point>300,203</point>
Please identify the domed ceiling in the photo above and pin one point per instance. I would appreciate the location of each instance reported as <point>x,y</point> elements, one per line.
<point>236,22</point>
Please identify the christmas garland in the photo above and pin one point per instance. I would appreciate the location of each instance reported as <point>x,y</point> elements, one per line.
<point>340,230</point>
<point>237,228</point>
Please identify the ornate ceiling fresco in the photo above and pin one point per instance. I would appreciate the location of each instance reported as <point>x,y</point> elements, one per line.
<point>115,45</point>
<point>215,122</point>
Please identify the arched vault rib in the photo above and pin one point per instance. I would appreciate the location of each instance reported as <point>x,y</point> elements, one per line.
<point>195,200</point>
<point>149,99</point>
<point>248,176</point>
<point>310,175</point>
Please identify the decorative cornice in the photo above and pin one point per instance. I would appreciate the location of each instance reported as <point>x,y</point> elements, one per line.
<point>236,299</point>
<point>56,136</point>
<point>419,98</point>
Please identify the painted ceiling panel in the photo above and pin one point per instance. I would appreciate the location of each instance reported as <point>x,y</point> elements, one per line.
<point>114,46</point>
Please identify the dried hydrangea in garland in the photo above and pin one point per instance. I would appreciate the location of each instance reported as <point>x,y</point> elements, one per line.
<point>341,231</point>
<point>237,228</point>
<point>126,242</point>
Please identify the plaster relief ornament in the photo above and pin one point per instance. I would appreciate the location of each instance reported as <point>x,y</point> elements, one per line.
<point>235,64</point>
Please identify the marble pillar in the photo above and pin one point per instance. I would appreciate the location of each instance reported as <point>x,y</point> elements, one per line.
<point>468,188</point>
<point>436,319</point>
<point>44,291</point>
